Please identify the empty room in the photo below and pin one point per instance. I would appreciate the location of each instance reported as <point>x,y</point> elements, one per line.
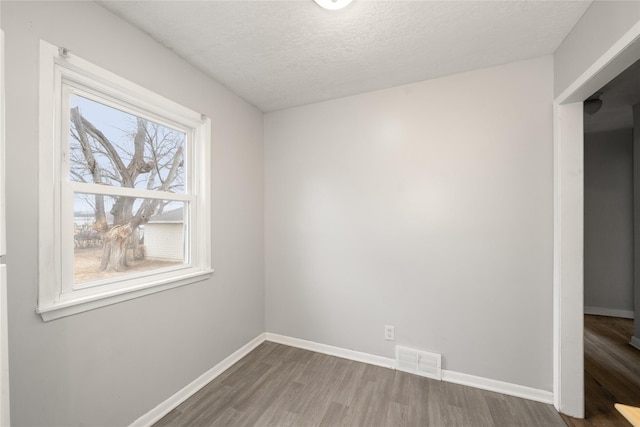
<point>305,212</point>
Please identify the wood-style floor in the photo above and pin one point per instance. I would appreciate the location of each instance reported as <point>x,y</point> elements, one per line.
<point>277,385</point>
<point>612,371</point>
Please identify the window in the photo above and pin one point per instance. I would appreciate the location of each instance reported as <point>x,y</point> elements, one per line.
<point>124,189</point>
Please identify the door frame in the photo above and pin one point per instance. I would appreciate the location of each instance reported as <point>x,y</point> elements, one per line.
<point>4,333</point>
<point>568,280</point>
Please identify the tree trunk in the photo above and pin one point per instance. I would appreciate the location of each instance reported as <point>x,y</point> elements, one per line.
<point>136,247</point>
<point>114,253</point>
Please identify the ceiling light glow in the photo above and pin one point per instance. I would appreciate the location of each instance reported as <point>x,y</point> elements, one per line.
<point>332,4</point>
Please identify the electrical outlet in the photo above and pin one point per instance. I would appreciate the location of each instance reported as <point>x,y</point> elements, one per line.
<point>389,333</point>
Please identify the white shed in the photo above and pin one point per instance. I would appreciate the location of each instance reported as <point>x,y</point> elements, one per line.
<point>164,236</point>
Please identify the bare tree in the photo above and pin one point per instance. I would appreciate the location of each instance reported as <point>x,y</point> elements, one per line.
<point>150,157</point>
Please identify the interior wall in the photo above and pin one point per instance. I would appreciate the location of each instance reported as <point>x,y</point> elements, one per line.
<point>608,222</point>
<point>427,207</point>
<point>132,355</point>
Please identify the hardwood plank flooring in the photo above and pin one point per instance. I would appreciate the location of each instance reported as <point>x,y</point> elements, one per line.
<point>612,371</point>
<point>277,385</point>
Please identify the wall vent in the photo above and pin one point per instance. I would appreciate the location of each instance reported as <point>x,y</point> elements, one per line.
<point>419,362</point>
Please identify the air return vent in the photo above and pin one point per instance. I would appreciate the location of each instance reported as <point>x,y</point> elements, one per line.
<point>419,362</point>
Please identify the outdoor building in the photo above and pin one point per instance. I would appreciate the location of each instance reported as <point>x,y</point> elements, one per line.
<point>164,236</point>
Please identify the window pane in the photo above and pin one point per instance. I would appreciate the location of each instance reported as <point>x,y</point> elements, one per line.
<point>116,236</point>
<point>110,146</point>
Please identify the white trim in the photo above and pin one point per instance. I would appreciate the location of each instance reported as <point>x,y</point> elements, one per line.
<point>635,342</point>
<point>344,353</point>
<point>568,259</point>
<point>498,386</point>
<point>190,389</point>
<point>75,306</point>
<point>49,262</point>
<point>573,93</point>
<point>448,376</point>
<point>3,225</point>
<point>568,376</point>
<point>110,190</point>
<point>611,312</point>
<point>89,77</point>
<point>557,258</point>
<point>58,296</point>
<point>5,418</point>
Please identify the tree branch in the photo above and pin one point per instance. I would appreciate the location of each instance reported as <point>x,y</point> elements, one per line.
<point>177,162</point>
<point>137,161</point>
<point>102,140</point>
<point>94,168</point>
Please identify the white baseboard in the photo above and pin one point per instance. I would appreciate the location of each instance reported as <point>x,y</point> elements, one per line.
<point>449,376</point>
<point>611,312</point>
<point>344,353</point>
<point>498,386</point>
<point>172,402</point>
<point>635,342</point>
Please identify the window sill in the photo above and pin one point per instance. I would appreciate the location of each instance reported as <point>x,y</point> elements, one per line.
<point>69,307</point>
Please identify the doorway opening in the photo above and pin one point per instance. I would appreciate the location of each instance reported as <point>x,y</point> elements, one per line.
<point>611,363</point>
<point>568,220</point>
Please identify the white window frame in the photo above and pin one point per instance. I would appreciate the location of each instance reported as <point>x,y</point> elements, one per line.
<point>61,73</point>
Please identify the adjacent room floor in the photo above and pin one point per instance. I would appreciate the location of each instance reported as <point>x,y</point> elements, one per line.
<point>612,371</point>
<point>278,385</point>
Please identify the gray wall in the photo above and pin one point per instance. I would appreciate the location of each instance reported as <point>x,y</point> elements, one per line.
<point>608,221</point>
<point>111,365</point>
<point>427,207</point>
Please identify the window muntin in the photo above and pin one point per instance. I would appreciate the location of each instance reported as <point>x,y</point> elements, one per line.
<point>75,92</point>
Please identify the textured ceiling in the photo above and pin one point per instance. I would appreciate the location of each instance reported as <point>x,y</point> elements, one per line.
<point>279,54</point>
